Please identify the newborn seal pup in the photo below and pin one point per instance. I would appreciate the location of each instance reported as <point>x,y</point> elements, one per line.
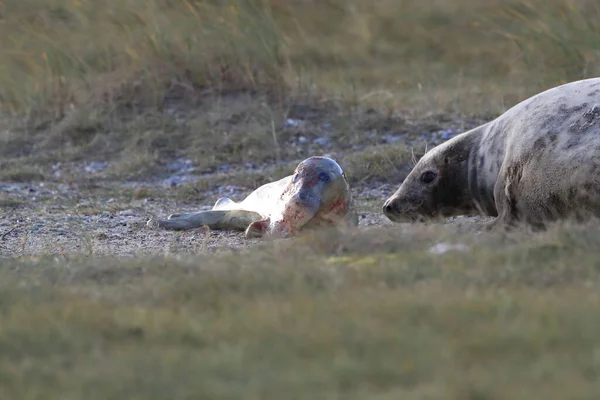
<point>538,162</point>
<point>317,194</point>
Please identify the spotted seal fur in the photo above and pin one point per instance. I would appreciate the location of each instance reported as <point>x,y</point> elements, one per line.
<point>536,163</point>
<point>317,194</point>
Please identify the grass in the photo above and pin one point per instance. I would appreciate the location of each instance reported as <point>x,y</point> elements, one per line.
<point>22,173</point>
<point>259,44</point>
<point>372,313</point>
<point>362,314</point>
<point>10,203</point>
<point>214,81</point>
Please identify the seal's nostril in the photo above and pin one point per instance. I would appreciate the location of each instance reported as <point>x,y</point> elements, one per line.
<point>387,207</point>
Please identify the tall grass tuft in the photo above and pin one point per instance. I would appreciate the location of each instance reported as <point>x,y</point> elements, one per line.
<point>558,41</point>
<point>59,53</point>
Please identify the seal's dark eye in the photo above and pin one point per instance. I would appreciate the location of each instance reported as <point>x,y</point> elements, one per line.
<point>324,176</point>
<point>428,176</point>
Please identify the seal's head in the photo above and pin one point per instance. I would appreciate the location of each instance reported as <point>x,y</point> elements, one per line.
<point>317,192</point>
<point>436,187</point>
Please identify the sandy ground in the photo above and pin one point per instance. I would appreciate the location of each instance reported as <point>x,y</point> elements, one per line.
<point>78,210</point>
<point>50,218</point>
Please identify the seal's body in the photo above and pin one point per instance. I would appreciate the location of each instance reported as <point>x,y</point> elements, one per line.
<point>317,194</point>
<point>538,162</point>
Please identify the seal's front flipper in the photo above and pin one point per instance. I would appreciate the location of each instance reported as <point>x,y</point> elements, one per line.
<point>236,220</point>
<point>257,229</point>
<point>224,203</point>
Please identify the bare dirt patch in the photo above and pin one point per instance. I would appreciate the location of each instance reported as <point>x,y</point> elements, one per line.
<point>99,204</point>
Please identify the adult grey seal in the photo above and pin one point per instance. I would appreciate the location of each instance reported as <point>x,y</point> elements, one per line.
<point>317,194</point>
<point>536,163</point>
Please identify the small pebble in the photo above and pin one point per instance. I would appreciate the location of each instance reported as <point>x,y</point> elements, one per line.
<point>442,248</point>
<point>127,213</point>
<point>96,166</point>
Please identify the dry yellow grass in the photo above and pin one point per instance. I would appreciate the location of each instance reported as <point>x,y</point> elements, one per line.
<point>440,53</point>
<point>80,79</point>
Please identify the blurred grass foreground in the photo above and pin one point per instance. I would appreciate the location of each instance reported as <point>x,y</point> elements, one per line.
<point>369,314</point>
